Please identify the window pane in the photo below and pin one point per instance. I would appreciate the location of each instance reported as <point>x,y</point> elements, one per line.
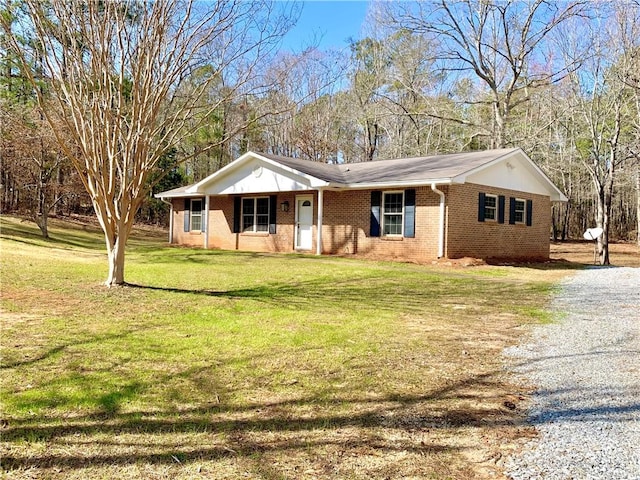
<point>247,223</point>
<point>519,213</point>
<point>263,206</point>
<point>196,223</point>
<point>393,224</point>
<point>247,206</point>
<point>263,223</point>
<point>490,207</point>
<point>489,213</point>
<point>392,213</point>
<point>196,215</point>
<point>393,202</point>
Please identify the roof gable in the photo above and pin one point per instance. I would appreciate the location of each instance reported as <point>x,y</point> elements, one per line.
<point>254,175</point>
<point>513,171</point>
<point>262,173</point>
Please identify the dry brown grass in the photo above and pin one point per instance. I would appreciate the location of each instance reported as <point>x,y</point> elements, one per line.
<point>620,254</point>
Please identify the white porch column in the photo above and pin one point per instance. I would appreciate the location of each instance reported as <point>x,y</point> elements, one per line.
<point>170,203</point>
<point>320,205</point>
<point>441,222</point>
<point>206,222</point>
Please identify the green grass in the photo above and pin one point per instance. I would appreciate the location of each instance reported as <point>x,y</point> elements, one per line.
<point>227,364</point>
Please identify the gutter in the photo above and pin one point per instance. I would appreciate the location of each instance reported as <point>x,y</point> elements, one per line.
<point>395,184</point>
<point>442,219</point>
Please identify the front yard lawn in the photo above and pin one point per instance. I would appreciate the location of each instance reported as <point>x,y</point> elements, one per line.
<point>240,365</point>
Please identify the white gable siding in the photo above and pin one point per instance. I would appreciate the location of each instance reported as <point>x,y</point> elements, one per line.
<point>256,176</point>
<point>511,174</point>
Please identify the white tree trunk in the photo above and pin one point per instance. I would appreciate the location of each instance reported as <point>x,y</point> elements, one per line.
<point>115,251</point>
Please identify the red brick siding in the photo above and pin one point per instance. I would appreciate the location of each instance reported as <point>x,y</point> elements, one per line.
<point>346,224</point>
<point>221,228</point>
<point>467,237</point>
<point>346,227</point>
<point>180,237</point>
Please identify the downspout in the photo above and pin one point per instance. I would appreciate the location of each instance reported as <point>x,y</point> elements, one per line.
<point>170,219</point>
<point>442,220</point>
<point>320,213</point>
<point>206,222</point>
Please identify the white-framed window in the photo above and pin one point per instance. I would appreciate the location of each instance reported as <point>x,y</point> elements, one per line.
<point>520,210</point>
<point>392,213</point>
<point>195,222</point>
<point>491,207</point>
<point>255,214</point>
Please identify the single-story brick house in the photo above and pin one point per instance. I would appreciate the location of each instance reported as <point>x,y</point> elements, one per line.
<point>486,204</point>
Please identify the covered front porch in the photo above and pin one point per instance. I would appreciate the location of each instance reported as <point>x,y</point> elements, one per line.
<point>253,204</point>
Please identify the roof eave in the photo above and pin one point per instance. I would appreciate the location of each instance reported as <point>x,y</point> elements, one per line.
<point>393,184</point>
<point>178,195</point>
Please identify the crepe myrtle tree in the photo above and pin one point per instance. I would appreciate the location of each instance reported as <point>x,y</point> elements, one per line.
<point>116,78</point>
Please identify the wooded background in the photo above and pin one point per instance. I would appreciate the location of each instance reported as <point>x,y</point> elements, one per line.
<point>561,80</point>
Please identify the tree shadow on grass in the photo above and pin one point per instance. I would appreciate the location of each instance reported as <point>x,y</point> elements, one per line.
<point>373,292</point>
<point>60,348</point>
<point>315,422</point>
<point>281,426</point>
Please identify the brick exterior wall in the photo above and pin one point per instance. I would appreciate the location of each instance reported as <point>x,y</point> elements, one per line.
<point>346,227</point>
<point>467,237</point>
<point>180,237</point>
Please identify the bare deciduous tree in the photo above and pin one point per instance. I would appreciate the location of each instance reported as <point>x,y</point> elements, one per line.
<point>118,72</point>
<point>602,104</point>
<point>503,44</point>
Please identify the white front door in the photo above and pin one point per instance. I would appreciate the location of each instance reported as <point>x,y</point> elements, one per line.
<point>304,222</point>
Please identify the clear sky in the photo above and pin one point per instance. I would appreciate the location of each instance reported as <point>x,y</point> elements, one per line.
<point>329,23</point>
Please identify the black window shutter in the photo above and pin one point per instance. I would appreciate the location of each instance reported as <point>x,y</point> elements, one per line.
<point>512,211</point>
<point>376,198</point>
<point>410,213</point>
<point>204,213</point>
<point>481,207</point>
<point>501,209</point>
<point>529,213</point>
<point>273,208</point>
<point>187,215</point>
<point>237,205</point>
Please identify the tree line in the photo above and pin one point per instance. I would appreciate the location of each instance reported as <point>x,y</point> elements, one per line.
<point>104,103</point>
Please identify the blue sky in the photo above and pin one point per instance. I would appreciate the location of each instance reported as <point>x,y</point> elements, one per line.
<point>331,23</point>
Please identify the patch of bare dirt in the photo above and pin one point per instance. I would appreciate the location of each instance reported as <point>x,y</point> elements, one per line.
<point>582,252</point>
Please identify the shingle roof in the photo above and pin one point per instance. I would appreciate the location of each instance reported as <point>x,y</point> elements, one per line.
<point>320,170</point>
<point>417,169</point>
<point>435,169</point>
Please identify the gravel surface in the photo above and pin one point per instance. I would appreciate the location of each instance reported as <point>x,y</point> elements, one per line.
<point>586,371</point>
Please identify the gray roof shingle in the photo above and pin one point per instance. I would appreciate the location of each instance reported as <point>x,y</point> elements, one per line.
<point>417,169</point>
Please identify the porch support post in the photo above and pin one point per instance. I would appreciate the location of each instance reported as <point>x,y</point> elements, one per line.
<point>206,222</point>
<point>319,223</point>
<point>171,223</point>
<point>170,203</point>
<point>441,222</point>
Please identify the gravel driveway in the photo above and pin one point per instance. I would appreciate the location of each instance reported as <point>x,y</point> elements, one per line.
<point>586,369</point>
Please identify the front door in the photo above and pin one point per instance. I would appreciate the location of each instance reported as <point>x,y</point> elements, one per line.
<point>304,222</point>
